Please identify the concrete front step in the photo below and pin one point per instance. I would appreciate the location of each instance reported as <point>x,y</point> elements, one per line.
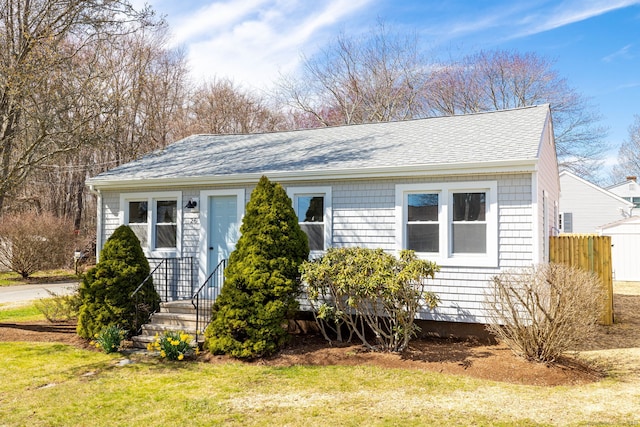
<point>178,316</point>
<point>178,319</point>
<point>141,341</point>
<point>148,334</point>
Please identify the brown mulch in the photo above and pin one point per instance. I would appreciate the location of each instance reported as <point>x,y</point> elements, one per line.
<point>460,357</point>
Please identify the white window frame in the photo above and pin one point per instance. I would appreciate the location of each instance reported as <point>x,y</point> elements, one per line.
<point>151,198</point>
<point>445,191</point>
<point>294,192</point>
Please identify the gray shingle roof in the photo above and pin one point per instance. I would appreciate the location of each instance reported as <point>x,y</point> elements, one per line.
<point>506,135</point>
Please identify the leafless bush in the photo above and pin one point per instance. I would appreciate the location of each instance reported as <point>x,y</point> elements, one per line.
<point>31,242</point>
<point>543,311</point>
<point>59,308</point>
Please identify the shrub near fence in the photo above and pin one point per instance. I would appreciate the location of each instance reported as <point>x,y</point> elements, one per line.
<point>591,253</point>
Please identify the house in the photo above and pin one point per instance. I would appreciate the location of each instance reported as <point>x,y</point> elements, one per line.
<point>478,194</point>
<point>625,247</point>
<point>585,206</point>
<point>628,190</point>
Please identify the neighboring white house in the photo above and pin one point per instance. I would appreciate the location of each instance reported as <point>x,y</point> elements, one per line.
<point>585,206</point>
<point>628,190</point>
<point>476,193</point>
<point>625,248</point>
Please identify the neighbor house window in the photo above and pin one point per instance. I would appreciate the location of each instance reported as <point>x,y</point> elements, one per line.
<point>154,218</point>
<point>312,205</point>
<point>451,223</point>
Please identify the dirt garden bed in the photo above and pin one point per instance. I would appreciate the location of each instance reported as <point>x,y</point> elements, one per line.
<point>492,362</point>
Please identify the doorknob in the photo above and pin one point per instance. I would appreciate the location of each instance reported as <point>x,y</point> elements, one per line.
<point>210,248</point>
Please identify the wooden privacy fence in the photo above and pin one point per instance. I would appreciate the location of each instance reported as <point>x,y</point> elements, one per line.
<point>588,252</point>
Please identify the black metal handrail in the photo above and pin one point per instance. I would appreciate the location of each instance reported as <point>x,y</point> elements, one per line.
<point>203,302</point>
<point>136,300</point>
<point>172,279</point>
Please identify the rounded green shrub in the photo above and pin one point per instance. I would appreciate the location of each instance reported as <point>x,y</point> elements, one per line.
<point>262,278</point>
<point>106,289</point>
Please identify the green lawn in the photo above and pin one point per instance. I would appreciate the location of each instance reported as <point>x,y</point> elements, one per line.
<point>58,385</point>
<point>20,313</point>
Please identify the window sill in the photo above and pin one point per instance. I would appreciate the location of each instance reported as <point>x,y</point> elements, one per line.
<point>469,260</point>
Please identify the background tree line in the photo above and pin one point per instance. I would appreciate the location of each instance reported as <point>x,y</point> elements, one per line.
<point>86,85</point>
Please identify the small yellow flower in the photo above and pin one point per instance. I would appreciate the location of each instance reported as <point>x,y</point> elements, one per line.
<point>96,335</point>
<point>163,354</point>
<point>149,347</point>
<point>180,356</point>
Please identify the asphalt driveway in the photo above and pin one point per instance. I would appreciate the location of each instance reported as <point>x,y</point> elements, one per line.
<point>25,293</point>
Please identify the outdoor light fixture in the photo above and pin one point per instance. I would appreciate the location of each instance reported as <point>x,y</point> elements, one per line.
<point>192,204</point>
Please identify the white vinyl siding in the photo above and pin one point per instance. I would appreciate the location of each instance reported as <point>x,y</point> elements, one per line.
<point>364,214</point>
<point>590,206</point>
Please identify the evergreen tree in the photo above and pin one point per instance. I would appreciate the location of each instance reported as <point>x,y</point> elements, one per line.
<point>262,278</point>
<point>106,289</point>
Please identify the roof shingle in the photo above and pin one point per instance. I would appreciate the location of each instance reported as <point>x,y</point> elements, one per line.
<point>475,138</point>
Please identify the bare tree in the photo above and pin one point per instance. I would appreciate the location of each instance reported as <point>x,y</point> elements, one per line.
<point>139,91</point>
<point>629,153</point>
<point>42,93</point>
<point>373,79</point>
<point>494,80</point>
<point>220,107</point>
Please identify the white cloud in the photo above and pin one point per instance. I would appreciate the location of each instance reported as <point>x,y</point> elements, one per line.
<point>251,41</point>
<point>624,52</point>
<point>520,19</point>
<point>569,12</point>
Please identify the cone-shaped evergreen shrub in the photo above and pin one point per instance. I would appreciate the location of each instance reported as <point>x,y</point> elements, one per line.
<point>262,278</point>
<point>106,289</point>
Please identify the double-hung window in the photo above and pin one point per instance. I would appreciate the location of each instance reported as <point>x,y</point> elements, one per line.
<point>451,223</point>
<point>423,228</point>
<point>312,205</point>
<point>155,220</point>
<point>469,223</point>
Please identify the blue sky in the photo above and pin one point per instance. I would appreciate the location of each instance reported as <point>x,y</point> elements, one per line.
<point>595,43</point>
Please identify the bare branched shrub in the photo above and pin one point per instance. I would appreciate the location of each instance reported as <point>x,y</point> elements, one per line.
<point>30,242</point>
<point>542,311</point>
